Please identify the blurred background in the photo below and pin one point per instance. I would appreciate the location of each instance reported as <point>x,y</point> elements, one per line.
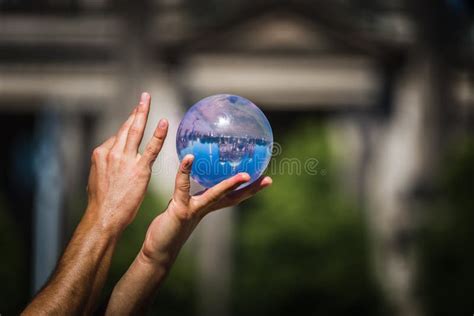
<point>372,108</point>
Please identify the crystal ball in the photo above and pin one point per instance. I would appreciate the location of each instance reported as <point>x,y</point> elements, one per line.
<point>227,134</point>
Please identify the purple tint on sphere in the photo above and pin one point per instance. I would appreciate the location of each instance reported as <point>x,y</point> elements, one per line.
<point>227,134</point>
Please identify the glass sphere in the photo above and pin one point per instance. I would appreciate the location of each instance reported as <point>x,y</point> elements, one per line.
<point>227,134</point>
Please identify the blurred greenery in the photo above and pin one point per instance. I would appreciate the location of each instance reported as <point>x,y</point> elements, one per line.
<point>446,279</point>
<point>302,245</point>
<point>14,289</point>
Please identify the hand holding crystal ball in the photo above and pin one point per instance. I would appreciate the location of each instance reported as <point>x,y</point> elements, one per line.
<point>227,134</point>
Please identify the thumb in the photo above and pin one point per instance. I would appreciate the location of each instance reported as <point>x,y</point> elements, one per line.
<point>183,183</point>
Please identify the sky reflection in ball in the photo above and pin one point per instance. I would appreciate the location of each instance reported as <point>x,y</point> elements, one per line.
<point>227,134</point>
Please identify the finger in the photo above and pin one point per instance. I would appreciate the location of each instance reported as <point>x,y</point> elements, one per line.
<point>99,155</point>
<point>135,133</point>
<point>183,183</point>
<point>109,143</point>
<point>121,137</point>
<point>236,197</point>
<point>155,144</point>
<point>247,192</point>
<point>218,191</point>
<point>250,190</point>
<point>101,151</point>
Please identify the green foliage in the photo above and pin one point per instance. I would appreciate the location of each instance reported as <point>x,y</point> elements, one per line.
<point>302,246</point>
<point>446,258</point>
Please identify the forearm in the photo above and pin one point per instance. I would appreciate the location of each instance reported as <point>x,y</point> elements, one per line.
<point>71,285</point>
<point>135,290</point>
<point>118,179</point>
<point>99,281</point>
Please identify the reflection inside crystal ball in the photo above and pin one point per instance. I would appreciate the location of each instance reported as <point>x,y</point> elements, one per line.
<point>227,134</point>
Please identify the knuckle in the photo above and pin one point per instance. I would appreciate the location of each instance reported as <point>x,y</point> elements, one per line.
<point>152,151</point>
<point>124,127</point>
<point>159,137</point>
<point>123,130</point>
<point>185,186</point>
<point>97,153</point>
<point>134,130</point>
<point>181,210</point>
<point>114,156</point>
<point>151,162</point>
<point>185,170</point>
<point>176,204</point>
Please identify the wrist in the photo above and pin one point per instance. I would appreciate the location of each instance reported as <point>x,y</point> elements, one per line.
<point>165,237</point>
<point>153,261</point>
<point>94,217</point>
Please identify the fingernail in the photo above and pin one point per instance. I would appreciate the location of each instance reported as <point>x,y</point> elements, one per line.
<point>162,124</point>
<point>189,159</point>
<point>267,181</point>
<point>144,98</point>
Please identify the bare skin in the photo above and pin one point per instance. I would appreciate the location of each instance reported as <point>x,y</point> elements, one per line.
<point>167,234</point>
<point>117,184</point>
<point>118,180</point>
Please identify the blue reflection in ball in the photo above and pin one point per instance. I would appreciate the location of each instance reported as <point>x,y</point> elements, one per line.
<point>227,134</point>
